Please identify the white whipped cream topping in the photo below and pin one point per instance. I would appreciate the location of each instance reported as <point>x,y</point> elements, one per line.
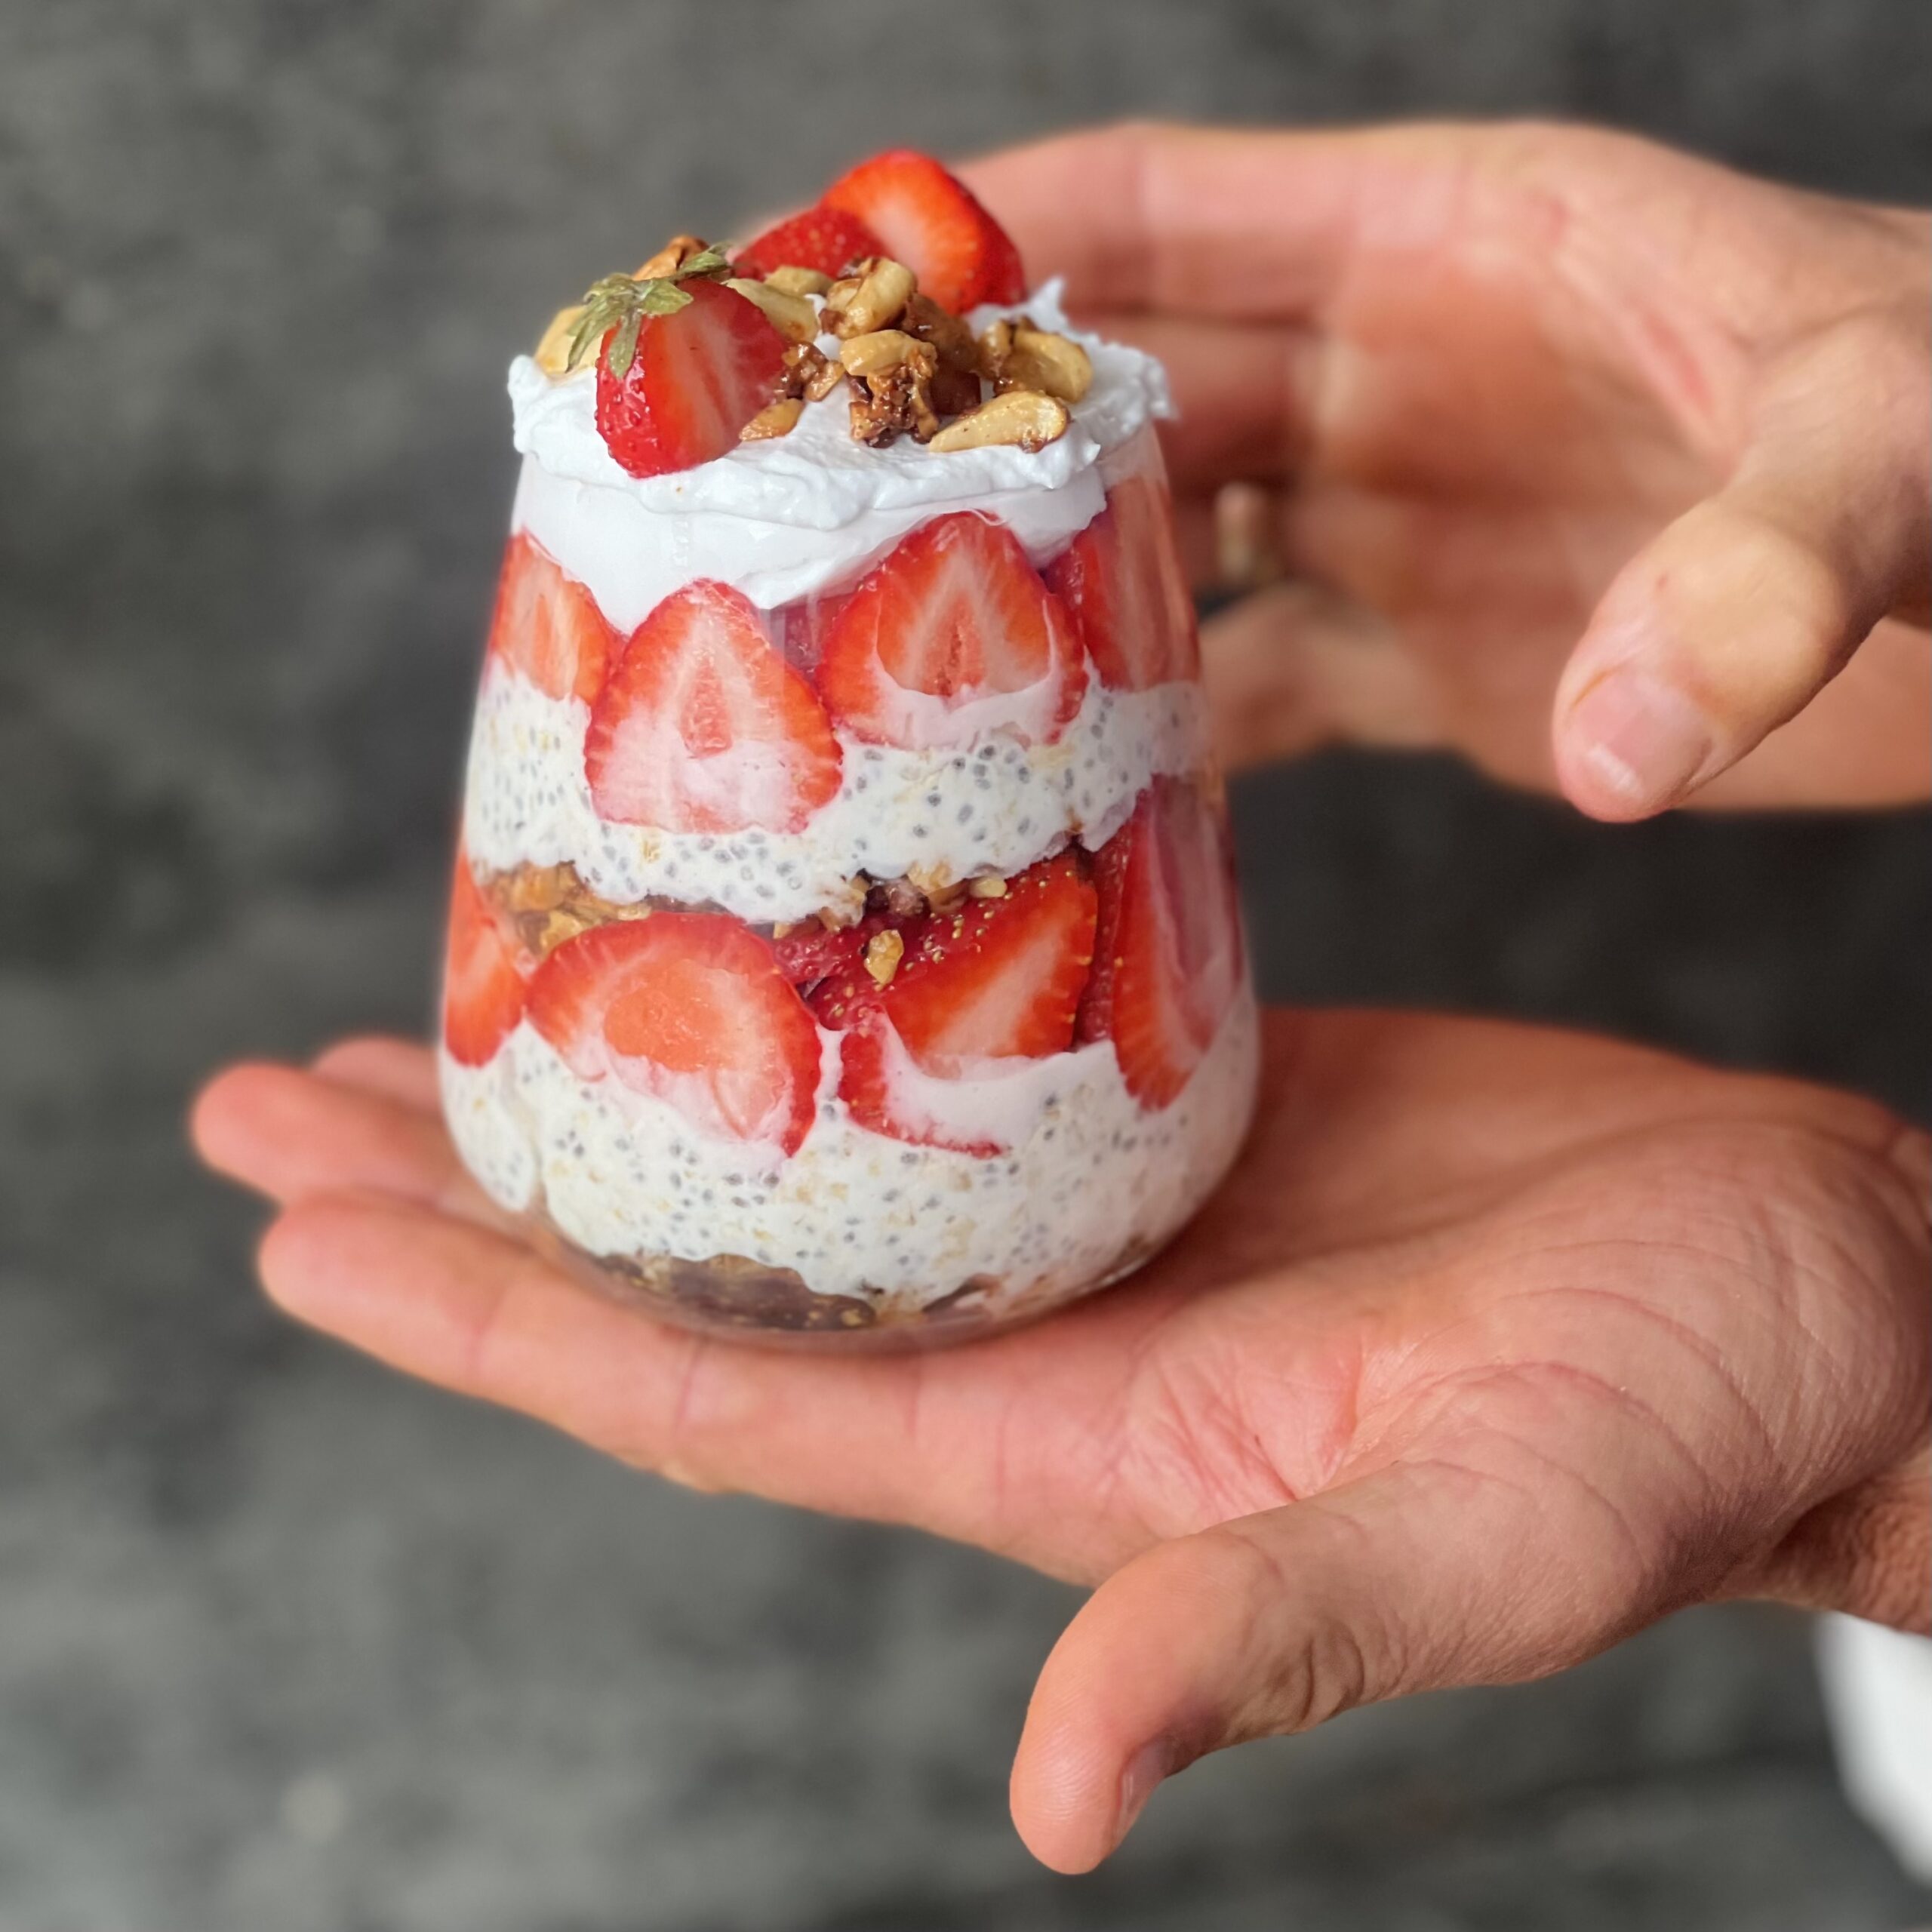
<point>782,518</point>
<point>1091,1177</point>
<point>995,806</point>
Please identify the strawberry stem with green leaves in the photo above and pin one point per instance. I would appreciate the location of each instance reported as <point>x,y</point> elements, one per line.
<point>616,306</point>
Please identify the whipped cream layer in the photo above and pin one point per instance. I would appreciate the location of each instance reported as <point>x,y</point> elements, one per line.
<point>1091,1182</point>
<point>995,806</point>
<point>786,517</point>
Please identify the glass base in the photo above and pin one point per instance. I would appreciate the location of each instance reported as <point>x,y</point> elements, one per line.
<point>746,1301</point>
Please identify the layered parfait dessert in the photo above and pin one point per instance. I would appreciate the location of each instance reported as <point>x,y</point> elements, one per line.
<point>844,937</point>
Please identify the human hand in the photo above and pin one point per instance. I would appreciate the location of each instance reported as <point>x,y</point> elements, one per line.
<point>1519,386</point>
<point>1498,1344</point>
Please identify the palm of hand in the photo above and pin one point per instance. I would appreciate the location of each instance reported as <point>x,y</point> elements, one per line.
<point>1487,1320</point>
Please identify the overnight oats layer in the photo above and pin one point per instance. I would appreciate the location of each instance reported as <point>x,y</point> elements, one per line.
<point>844,940</point>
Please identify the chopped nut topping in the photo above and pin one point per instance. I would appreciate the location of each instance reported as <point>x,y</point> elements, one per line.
<point>926,319</point>
<point>791,316</point>
<point>989,885</point>
<point>1016,355</point>
<point>883,951</point>
<point>1024,417</point>
<point>955,391</point>
<point>1039,359</point>
<point>847,909</point>
<point>883,349</point>
<point>790,281</point>
<point>942,892</point>
<point>899,897</point>
<point>775,419</point>
<point>994,345</point>
<point>810,373</point>
<point>552,353</point>
<point>876,297</point>
<point>892,376</point>
<point>675,253</point>
<point>545,905</point>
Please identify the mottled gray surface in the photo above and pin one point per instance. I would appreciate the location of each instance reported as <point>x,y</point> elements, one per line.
<point>288,1646</point>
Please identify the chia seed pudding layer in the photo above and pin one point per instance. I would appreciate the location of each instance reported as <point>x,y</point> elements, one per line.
<point>854,1214</point>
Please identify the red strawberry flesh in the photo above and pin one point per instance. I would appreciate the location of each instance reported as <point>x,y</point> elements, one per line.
<point>1121,580</point>
<point>997,981</point>
<point>1000,979</point>
<point>483,992</point>
<point>704,726</point>
<point>1168,958</point>
<point>700,375</point>
<point>930,221</point>
<point>826,239</point>
<point>547,625</point>
<point>692,1009</point>
<point>952,635</point>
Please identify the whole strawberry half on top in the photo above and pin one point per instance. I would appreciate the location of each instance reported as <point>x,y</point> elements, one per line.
<point>826,239</point>
<point>930,221</point>
<point>683,365</point>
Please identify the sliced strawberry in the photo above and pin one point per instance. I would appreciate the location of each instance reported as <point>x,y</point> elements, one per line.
<point>884,1089</point>
<point>1000,979</point>
<point>811,953</point>
<point>691,1008</point>
<point>930,221</point>
<point>703,727</point>
<point>482,989</point>
<point>1168,961</point>
<point>1095,1021</point>
<point>997,982</point>
<point>1122,580</point>
<point>700,375</point>
<point>951,636</point>
<point>822,239</point>
<point>548,625</point>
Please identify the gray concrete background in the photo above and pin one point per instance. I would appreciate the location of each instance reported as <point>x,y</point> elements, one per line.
<point>287,1645</point>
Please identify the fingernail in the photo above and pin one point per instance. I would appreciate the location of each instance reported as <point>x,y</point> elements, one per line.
<point>1642,739</point>
<point>1145,1771</point>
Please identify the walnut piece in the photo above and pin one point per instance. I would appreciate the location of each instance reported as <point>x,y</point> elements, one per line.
<point>1025,417</point>
<point>809,373</point>
<point>926,319</point>
<point>545,905</point>
<point>892,376</point>
<point>791,316</point>
<point>883,951</point>
<point>899,897</point>
<point>775,419</point>
<point>942,892</point>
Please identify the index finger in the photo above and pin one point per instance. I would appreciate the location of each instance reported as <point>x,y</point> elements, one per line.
<point>1239,224</point>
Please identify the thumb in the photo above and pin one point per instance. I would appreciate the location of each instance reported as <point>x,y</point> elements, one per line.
<point>1730,622</point>
<point>1276,1623</point>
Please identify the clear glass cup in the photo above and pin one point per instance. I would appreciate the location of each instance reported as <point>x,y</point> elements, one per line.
<point>864,969</point>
